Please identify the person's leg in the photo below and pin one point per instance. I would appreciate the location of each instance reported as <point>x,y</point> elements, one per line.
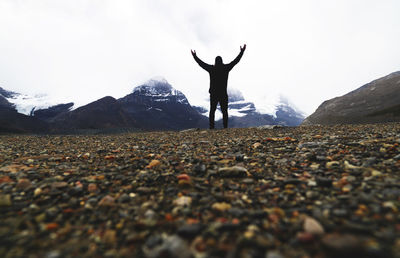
<point>213,107</point>
<point>224,108</point>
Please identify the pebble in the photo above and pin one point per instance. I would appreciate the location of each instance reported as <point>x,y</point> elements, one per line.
<point>37,192</point>
<point>273,254</point>
<point>183,201</point>
<point>257,145</point>
<point>309,145</point>
<point>107,201</point>
<point>110,237</point>
<point>124,198</point>
<point>342,243</point>
<point>153,163</point>
<point>59,185</point>
<point>332,164</point>
<point>312,226</point>
<point>5,200</point>
<point>189,230</point>
<point>23,184</point>
<point>92,188</point>
<point>221,206</point>
<point>167,246</point>
<point>324,181</point>
<point>199,169</point>
<point>231,172</point>
<point>305,237</point>
<point>340,212</point>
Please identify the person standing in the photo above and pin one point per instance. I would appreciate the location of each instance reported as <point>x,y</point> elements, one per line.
<point>218,84</point>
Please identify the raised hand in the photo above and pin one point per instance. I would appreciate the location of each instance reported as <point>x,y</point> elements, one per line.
<point>193,52</point>
<point>243,48</point>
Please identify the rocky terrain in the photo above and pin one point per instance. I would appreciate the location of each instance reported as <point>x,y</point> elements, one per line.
<point>266,192</point>
<point>375,102</point>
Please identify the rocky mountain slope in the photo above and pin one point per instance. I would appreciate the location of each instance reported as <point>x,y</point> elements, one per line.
<point>375,102</point>
<point>50,113</point>
<point>104,113</point>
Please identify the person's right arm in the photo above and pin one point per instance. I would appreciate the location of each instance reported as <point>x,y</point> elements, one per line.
<point>200,62</point>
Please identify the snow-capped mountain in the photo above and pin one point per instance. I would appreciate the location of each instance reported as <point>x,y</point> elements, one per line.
<point>27,104</point>
<point>153,105</point>
<point>13,122</point>
<point>157,105</point>
<point>244,113</point>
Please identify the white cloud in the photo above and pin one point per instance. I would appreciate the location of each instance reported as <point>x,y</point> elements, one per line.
<point>309,50</point>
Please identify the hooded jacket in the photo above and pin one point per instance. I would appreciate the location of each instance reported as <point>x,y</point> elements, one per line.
<point>218,73</point>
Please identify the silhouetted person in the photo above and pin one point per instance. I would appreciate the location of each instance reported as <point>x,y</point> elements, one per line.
<point>218,83</point>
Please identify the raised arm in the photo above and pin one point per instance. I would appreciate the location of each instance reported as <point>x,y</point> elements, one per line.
<point>200,62</point>
<point>237,59</point>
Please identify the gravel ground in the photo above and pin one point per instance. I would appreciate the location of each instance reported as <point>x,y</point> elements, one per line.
<point>285,192</point>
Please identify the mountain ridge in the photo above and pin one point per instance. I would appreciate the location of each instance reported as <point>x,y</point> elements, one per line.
<point>153,105</point>
<point>374,102</point>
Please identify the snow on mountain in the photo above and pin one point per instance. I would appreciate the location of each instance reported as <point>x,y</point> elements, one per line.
<point>160,90</point>
<point>240,107</point>
<point>26,104</point>
<point>237,105</point>
<point>266,104</point>
<point>273,108</point>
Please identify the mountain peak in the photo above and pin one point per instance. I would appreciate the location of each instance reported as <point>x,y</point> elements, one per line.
<point>158,89</point>
<point>155,86</point>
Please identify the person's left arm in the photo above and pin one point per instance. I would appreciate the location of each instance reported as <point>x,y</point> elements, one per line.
<point>237,59</point>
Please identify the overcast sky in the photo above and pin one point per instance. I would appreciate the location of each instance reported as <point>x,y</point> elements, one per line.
<point>308,50</point>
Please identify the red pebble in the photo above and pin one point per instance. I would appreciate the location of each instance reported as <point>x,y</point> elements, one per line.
<point>305,237</point>
<point>51,226</point>
<point>169,217</point>
<point>183,177</point>
<point>5,179</point>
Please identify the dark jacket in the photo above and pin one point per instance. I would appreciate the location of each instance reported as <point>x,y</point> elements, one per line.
<point>218,74</point>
